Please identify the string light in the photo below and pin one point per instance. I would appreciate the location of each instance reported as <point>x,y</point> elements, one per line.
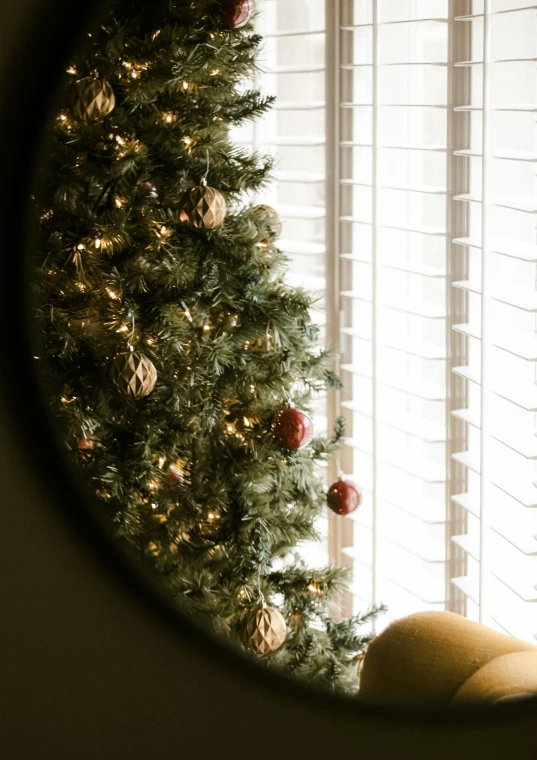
<point>155,35</point>
<point>215,72</point>
<point>123,329</point>
<point>161,462</point>
<point>111,294</point>
<point>119,202</point>
<point>188,141</point>
<point>81,247</point>
<point>71,70</point>
<point>97,243</point>
<point>185,85</point>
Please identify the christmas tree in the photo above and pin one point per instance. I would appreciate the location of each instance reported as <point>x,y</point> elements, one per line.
<point>186,367</point>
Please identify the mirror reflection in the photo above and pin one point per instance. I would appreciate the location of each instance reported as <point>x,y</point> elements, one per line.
<point>286,288</point>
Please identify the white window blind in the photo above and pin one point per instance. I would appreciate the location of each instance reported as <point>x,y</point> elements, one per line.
<point>498,157</point>
<point>435,150</point>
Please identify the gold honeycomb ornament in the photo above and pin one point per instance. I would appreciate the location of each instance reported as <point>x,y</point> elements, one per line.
<point>93,100</point>
<point>134,374</point>
<point>265,630</point>
<point>271,223</point>
<point>204,208</point>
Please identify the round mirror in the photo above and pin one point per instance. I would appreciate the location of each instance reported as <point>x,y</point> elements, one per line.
<point>283,300</point>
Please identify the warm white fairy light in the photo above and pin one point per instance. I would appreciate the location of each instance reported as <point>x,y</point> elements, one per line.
<point>71,70</point>
<point>215,72</point>
<point>185,85</point>
<point>122,329</point>
<point>111,294</point>
<point>161,462</point>
<point>119,202</point>
<point>97,242</point>
<point>188,141</point>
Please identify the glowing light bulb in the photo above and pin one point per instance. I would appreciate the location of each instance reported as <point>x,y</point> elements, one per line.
<point>111,294</point>
<point>97,242</point>
<point>185,85</point>
<point>71,70</point>
<point>215,72</point>
<point>119,202</point>
<point>80,247</point>
<point>187,141</point>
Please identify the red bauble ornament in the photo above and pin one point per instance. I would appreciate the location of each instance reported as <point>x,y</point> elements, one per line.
<point>343,498</point>
<point>176,471</point>
<point>292,429</point>
<point>236,13</point>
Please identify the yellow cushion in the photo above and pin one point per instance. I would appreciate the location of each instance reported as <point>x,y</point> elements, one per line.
<point>507,676</point>
<point>428,656</point>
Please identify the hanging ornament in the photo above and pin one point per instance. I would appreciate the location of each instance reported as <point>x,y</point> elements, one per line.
<point>134,374</point>
<point>87,444</point>
<point>177,471</point>
<point>45,214</point>
<point>343,498</point>
<point>236,13</point>
<point>94,99</point>
<point>292,429</point>
<point>147,188</point>
<point>265,630</point>
<point>203,208</point>
<point>271,223</point>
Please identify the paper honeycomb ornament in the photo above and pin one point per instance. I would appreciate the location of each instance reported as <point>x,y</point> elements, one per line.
<point>93,100</point>
<point>204,208</point>
<point>134,374</point>
<point>271,221</point>
<point>265,630</point>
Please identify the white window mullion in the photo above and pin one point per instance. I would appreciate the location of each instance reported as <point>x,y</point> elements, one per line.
<point>484,570</point>
<point>375,501</point>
